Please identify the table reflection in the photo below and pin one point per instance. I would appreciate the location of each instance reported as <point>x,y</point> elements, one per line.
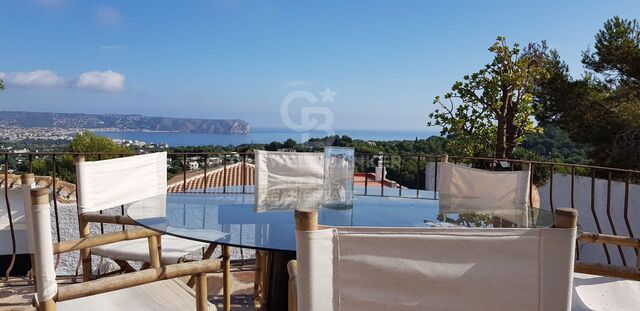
<point>264,220</point>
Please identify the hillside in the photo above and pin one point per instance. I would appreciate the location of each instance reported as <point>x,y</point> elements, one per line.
<point>126,122</point>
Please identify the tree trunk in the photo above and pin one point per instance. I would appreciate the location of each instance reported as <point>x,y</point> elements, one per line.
<point>501,135</point>
<point>510,142</point>
<point>511,131</point>
<point>500,139</point>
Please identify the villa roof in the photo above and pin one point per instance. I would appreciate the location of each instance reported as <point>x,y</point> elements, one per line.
<point>195,180</point>
<point>215,178</point>
<point>235,177</point>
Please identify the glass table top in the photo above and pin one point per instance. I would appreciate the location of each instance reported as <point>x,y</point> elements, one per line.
<point>265,220</point>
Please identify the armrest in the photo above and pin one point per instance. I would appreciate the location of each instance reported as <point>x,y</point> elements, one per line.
<point>109,284</point>
<point>292,268</point>
<point>609,239</point>
<point>96,240</point>
<point>630,273</point>
<point>108,219</point>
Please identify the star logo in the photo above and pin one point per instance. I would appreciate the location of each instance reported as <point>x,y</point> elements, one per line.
<point>327,95</point>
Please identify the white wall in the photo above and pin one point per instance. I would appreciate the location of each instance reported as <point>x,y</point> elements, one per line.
<point>17,214</point>
<point>582,202</point>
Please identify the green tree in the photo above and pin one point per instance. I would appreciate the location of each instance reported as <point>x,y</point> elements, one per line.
<point>90,143</point>
<point>617,52</point>
<point>488,112</point>
<point>273,146</point>
<point>289,144</point>
<point>41,168</point>
<point>602,108</point>
<point>1,85</point>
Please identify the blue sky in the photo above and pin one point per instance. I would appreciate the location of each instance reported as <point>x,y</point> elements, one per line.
<point>240,59</point>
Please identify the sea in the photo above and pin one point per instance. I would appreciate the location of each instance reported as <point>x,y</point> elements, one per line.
<point>262,136</point>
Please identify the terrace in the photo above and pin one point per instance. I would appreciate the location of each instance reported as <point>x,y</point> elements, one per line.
<point>606,199</point>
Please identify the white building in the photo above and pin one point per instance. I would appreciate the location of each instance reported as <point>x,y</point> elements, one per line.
<point>193,165</point>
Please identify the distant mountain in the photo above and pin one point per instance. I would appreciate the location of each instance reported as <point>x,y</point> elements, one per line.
<point>126,122</point>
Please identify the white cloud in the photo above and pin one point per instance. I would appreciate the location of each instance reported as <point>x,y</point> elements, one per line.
<point>32,79</point>
<point>105,81</point>
<point>107,15</point>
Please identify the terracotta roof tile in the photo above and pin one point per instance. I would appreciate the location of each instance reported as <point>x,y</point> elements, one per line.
<point>231,176</point>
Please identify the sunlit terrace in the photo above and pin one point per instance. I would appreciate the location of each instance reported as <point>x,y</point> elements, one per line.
<point>232,222</point>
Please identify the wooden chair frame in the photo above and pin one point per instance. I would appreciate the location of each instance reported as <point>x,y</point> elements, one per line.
<point>307,220</point>
<point>631,273</point>
<point>84,219</point>
<point>197,269</point>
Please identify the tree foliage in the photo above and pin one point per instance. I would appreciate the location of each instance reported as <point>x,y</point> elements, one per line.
<point>87,142</point>
<point>601,108</point>
<point>488,113</point>
<point>554,145</point>
<point>617,52</point>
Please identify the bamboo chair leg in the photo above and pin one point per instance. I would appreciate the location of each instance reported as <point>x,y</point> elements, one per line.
<point>85,254</point>
<point>257,276</point>
<point>159,239</point>
<point>226,278</point>
<point>85,231</point>
<point>292,268</point>
<point>202,302</point>
<point>49,305</point>
<point>259,287</point>
<point>154,255</point>
<point>206,255</point>
<point>33,273</point>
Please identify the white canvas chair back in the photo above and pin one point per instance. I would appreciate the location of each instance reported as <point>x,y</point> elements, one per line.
<point>466,189</point>
<point>288,168</point>
<point>433,268</point>
<point>109,183</point>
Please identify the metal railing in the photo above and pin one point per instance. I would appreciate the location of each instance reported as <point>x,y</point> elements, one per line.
<point>408,171</point>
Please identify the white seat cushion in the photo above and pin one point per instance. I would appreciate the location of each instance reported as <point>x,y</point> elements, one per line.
<point>594,292</point>
<point>163,295</point>
<point>173,249</point>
